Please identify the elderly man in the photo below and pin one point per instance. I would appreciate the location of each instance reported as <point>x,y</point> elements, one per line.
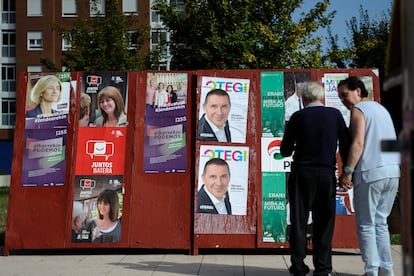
<point>312,134</point>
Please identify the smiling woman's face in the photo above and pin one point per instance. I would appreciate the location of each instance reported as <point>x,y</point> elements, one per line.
<point>107,104</point>
<point>52,92</point>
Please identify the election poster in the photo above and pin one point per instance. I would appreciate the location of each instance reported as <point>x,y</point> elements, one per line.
<point>272,160</point>
<point>293,98</point>
<point>223,109</point>
<point>274,222</point>
<point>274,165</point>
<point>223,176</point>
<point>344,199</point>
<point>272,103</point>
<point>44,162</point>
<point>275,169</point>
<point>104,99</point>
<point>100,158</point>
<point>332,99</point>
<point>45,135</point>
<point>99,184</point>
<point>165,134</point>
<point>47,100</point>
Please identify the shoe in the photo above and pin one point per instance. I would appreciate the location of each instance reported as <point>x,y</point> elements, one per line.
<point>294,272</point>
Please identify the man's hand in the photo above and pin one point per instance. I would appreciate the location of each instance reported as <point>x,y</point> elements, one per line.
<point>345,181</point>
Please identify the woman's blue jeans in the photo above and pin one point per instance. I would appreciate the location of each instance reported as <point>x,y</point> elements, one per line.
<point>373,203</point>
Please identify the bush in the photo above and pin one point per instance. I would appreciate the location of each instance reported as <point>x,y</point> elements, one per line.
<point>4,196</point>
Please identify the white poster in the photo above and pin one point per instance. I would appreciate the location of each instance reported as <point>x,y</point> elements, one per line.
<point>332,99</point>
<point>272,160</point>
<point>225,109</point>
<point>223,175</point>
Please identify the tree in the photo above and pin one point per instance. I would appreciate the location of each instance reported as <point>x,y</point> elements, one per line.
<point>367,45</point>
<point>102,42</point>
<point>233,34</point>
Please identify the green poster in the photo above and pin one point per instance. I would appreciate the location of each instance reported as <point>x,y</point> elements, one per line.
<point>274,206</point>
<point>273,102</point>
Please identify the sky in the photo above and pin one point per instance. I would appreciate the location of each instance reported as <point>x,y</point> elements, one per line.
<point>346,9</point>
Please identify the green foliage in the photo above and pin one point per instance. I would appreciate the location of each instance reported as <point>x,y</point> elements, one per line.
<point>4,196</point>
<point>395,239</point>
<point>102,42</point>
<point>367,45</point>
<point>233,34</point>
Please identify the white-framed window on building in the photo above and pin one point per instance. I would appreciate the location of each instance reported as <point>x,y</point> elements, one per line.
<point>34,68</point>
<point>8,44</point>
<point>8,112</point>
<point>34,41</point>
<point>178,5</point>
<point>97,7</point>
<point>159,40</point>
<point>8,96</point>
<point>65,44</point>
<point>8,12</point>
<point>130,6</point>
<point>34,8</point>
<point>8,79</point>
<point>69,8</point>
<point>132,39</point>
<point>156,18</point>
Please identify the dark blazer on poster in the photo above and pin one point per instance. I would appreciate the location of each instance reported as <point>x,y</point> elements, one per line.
<point>206,133</point>
<point>205,205</point>
<point>37,112</point>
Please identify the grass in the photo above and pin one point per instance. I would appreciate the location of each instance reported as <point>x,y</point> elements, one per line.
<point>4,198</point>
<point>395,239</point>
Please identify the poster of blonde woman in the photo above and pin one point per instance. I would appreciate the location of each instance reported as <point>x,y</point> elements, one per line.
<point>47,107</point>
<point>47,100</point>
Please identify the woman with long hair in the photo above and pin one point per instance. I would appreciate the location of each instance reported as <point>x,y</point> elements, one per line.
<point>112,108</point>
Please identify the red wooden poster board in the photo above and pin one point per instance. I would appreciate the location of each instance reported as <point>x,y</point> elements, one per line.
<point>160,167</point>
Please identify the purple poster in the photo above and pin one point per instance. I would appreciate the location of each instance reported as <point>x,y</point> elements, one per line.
<point>44,161</point>
<point>165,123</point>
<point>47,108</point>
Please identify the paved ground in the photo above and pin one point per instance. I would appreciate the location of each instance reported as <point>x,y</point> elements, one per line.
<point>346,262</point>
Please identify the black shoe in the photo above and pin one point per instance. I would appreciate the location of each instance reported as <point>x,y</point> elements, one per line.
<point>296,272</point>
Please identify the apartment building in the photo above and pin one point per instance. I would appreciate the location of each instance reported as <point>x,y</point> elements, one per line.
<point>8,68</point>
<point>8,87</point>
<point>27,36</point>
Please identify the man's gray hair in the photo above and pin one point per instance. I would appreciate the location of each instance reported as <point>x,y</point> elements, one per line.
<point>312,90</point>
